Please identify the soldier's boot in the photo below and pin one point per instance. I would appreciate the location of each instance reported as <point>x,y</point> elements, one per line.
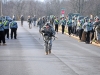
<point>90,42</point>
<point>49,51</point>
<point>46,53</point>
<point>4,44</point>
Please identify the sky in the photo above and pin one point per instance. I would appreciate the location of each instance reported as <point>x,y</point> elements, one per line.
<point>41,0</point>
<point>27,0</point>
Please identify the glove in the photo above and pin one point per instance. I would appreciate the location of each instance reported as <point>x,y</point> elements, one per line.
<point>43,31</point>
<point>53,35</point>
<point>45,34</point>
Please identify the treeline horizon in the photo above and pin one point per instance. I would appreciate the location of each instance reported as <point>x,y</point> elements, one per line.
<point>49,7</point>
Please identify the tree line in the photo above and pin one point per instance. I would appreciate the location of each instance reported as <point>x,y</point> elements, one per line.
<point>48,7</point>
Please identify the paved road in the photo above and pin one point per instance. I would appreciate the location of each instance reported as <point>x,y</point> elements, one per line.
<point>26,56</point>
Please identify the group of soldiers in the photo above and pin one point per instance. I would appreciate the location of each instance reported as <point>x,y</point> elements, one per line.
<point>5,27</point>
<point>31,20</point>
<point>86,29</point>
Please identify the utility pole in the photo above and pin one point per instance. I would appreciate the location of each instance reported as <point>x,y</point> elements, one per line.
<point>1,7</point>
<point>79,7</point>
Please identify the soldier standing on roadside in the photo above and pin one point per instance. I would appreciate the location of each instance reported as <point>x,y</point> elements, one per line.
<point>97,30</point>
<point>6,28</point>
<point>56,22</point>
<point>63,23</point>
<point>2,33</point>
<point>13,27</point>
<point>69,24</point>
<point>29,22</point>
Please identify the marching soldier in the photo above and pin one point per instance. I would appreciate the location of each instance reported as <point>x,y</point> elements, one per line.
<point>22,19</point>
<point>29,22</point>
<point>40,23</point>
<point>47,29</point>
<point>34,20</point>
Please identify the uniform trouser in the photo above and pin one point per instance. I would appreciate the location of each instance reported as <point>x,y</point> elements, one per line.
<point>40,26</point>
<point>48,46</point>
<point>80,31</point>
<point>88,36</point>
<point>21,22</point>
<point>30,25</point>
<point>91,34</point>
<point>13,32</point>
<point>69,30</point>
<point>74,29</point>
<point>34,23</point>
<point>97,35</point>
<point>2,36</point>
<point>63,28</point>
<point>56,27</point>
<point>51,22</point>
<point>39,29</point>
<point>7,33</point>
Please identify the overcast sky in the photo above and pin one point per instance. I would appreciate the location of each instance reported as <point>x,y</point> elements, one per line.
<point>26,0</point>
<point>41,0</point>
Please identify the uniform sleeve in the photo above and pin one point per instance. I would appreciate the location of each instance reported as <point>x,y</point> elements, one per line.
<point>42,30</point>
<point>17,25</point>
<point>10,25</point>
<point>53,31</point>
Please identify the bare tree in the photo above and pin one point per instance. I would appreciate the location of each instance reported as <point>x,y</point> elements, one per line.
<point>49,7</point>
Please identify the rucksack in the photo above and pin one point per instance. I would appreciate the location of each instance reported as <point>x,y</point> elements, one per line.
<point>29,20</point>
